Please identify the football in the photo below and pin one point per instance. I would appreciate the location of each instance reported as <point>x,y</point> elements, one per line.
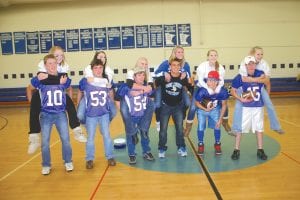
<point>207,103</point>
<point>247,95</point>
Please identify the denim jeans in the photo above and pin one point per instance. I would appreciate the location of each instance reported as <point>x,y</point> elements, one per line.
<point>157,102</point>
<point>145,122</point>
<point>144,143</point>
<point>91,125</point>
<point>177,114</point>
<point>237,116</point>
<point>82,107</point>
<point>274,123</point>
<point>60,120</point>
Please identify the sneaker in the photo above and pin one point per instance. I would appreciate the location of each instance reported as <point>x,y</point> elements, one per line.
<point>200,149</point>
<point>235,155</point>
<point>69,166</point>
<point>89,164</point>
<point>34,142</point>
<point>279,131</point>
<point>261,154</point>
<point>111,162</point>
<point>78,134</point>
<point>161,153</point>
<point>218,150</point>
<point>158,126</point>
<point>46,170</point>
<point>182,152</point>
<point>148,156</point>
<point>132,160</point>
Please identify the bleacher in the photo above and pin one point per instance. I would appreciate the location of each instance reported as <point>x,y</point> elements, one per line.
<point>280,87</point>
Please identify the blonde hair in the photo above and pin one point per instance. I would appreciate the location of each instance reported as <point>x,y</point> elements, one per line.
<point>254,49</point>
<point>53,49</point>
<point>217,66</point>
<point>173,55</point>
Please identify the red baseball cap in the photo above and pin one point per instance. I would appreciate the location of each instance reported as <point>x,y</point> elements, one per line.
<point>213,75</point>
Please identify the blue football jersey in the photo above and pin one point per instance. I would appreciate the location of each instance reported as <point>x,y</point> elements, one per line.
<point>254,87</point>
<point>53,98</point>
<point>136,104</point>
<point>216,99</point>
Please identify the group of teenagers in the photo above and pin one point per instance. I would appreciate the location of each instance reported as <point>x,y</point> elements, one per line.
<point>171,90</point>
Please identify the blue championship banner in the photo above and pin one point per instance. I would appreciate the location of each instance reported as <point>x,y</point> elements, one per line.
<point>170,36</point>
<point>114,37</point>
<point>127,37</point>
<point>86,39</point>
<point>6,43</point>
<point>184,35</point>
<point>32,42</point>
<point>59,38</point>
<point>72,40</point>
<point>45,41</point>
<point>156,36</point>
<point>100,39</point>
<point>142,36</point>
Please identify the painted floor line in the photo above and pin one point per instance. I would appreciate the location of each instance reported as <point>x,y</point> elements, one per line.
<point>25,163</point>
<point>290,157</point>
<point>99,183</point>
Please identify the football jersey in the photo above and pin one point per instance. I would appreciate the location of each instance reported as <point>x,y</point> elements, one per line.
<point>96,99</point>
<point>53,98</point>
<point>216,99</point>
<point>254,87</point>
<point>136,104</point>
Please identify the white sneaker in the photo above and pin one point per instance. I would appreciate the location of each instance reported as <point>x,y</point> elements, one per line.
<point>34,142</point>
<point>46,170</point>
<point>182,152</point>
<point>161,154</point>
<point>69,166</point>
<point>78,135</point>
<point>158,126</point>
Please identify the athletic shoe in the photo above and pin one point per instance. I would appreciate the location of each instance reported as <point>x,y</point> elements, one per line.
<point>261,154</point>
<point>280,131</point>
<point>158,126</point>
<point>161,153</point>
<point>78,134</point>
<point>111,162</point>
<point>182,152</point>
<point>235,155</point>
<point>46,170</point>
<point>89,164</point>
<point>148,156</point>
<point>218,150</point>
<point>132,160</point>
<point>34,142</point>
<point>69,166</point>
<point>200,149</point>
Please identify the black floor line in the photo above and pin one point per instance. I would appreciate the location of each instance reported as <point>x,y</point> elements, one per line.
<point>206,172</point>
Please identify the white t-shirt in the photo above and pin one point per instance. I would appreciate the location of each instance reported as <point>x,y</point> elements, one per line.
<point>89,73</point>
<point>202,74</point>
<point>60,68</point>
<point>262,65</point>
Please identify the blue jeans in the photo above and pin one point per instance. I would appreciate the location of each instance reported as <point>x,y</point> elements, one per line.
<point>144,142</point>
<point>274,123</point>
<point>91,125</point>
<point>144,123</point>
<point>237,117</point>
<point>177,114</point>
<point>81,110</point>
<point>60,120</point>
<point>157,102</point>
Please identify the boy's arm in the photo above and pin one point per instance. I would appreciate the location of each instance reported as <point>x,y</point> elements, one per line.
<point>29,91</point>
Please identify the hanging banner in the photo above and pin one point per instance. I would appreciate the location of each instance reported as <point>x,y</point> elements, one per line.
<point>32,42</point>
<point>128,37</point>
<point>100,41</point>
<point>142,36</point>
<point>156,36</point>
<point>184,34</point>
<point>45,41</point>
<point>170,37</point>
<point>86,39</point>
<point>114,37</point>
<point>59,38</point>
<point>6,43</point>
<point>72,40</point>
<point>20,42</point>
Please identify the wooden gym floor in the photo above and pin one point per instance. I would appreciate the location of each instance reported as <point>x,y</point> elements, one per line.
<point>210,177</point>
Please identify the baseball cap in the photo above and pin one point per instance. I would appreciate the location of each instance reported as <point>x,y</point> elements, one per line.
<point>139,70</point>
<point>249,59</point>
<point>213,75</point>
